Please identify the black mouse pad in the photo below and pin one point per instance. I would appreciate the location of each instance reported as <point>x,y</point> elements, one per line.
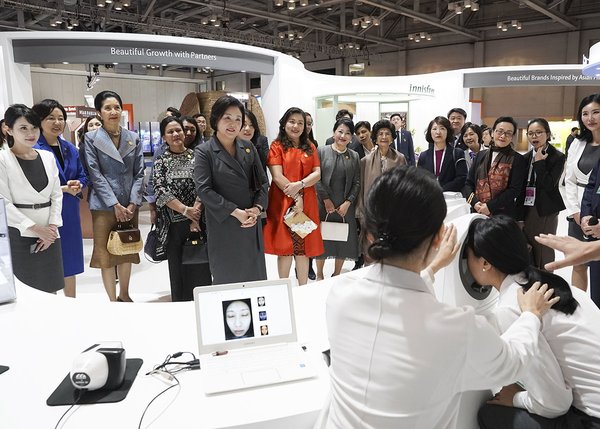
<point>3,369</point>
<point>65,393</point>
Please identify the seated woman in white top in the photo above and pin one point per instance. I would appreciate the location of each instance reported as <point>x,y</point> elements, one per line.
<point>399,357</point>
<point>498,256</point>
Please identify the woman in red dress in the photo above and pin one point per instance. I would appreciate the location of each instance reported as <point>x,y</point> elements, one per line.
<point>295,168</point>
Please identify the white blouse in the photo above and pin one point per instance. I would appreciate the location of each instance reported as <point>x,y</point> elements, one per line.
<point>574,341</point>
<point>400,358</point>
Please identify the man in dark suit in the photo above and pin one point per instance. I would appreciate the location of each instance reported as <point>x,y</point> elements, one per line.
<point>457,118</point>
<point>403,141</point>
<point>570,138</point>
<point>354,144</point>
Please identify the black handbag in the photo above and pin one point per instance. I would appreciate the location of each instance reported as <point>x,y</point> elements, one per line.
<point>195,249</point>
<point>153,250</point>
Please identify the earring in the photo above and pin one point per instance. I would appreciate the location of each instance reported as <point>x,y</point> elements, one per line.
<point>483,269</point>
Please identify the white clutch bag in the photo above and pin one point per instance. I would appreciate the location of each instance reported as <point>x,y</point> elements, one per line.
<point>334,231</point>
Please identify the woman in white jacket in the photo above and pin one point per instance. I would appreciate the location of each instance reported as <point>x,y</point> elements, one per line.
<point>584,154</point>
<point>399,357</point>
<point>546,396</point>
<point>31,190</point>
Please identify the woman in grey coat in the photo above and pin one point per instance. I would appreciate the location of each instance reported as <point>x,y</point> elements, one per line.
<point>115,167</point>
<point>232,186</point>
<point>338,192</point>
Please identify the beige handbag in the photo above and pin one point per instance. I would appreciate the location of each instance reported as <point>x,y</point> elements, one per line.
<point>334,231</point>
<point>125,240</point>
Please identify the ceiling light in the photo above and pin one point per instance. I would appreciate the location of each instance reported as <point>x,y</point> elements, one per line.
<point>417,37</point>
<point>376,22</point>
<point>212,18</point>
<point>58,19</point>
<point>363,24</point>
<point>126,3</point>
<point>291,5</point>
<point>356,22</point>
<point>75,22</point>
<point>303,2</point>
<point>69,25</point>
<point>100,3</point>
<point>278,2</point>
<point>505,25</point>
<point>118,5</point>
<point>108,1</point>
<point>459,7</point>
<point>217,23</point>
<point>204,20</point>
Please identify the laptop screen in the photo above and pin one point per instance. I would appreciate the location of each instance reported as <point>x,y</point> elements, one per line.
<point>244,314</point>
<point>7,283</point>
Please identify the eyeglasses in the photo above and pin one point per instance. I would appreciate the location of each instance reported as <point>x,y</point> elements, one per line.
<point>535,133</point>
<point>508,134</point>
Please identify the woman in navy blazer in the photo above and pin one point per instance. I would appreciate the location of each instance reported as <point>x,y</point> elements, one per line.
<point>446,163</point>
<point>72,180</point>
<point>115,165</point>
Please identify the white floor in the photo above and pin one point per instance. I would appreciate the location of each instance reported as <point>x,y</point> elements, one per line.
<point>150,282</point>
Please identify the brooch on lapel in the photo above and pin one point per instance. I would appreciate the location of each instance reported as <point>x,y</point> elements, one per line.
<point>305,155</point>
<point>247,150</point>
<point>129,142</point>
<point>347,157</point>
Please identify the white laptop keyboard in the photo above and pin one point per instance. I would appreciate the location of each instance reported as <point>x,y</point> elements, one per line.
<point>250,359</point>
<point>240,369</point>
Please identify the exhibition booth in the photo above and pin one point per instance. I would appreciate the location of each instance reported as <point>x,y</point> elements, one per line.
<point>43,332</point>
<point>284,80</point>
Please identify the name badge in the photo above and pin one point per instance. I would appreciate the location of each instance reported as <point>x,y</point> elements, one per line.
<point>530,196</point>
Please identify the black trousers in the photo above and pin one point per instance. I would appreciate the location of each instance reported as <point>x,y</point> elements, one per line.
<point>184,278</point>
<point>500,417</point>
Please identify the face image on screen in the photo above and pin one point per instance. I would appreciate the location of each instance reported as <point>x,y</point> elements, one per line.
<point>237,315</point>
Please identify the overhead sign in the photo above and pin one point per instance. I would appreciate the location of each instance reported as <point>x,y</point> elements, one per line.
<point>564,77</point>
<point>74,51</point>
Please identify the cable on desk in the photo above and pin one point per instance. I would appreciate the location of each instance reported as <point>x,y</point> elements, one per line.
<point>157,396</point>
<point>164,370</point>
<point>79,395</point>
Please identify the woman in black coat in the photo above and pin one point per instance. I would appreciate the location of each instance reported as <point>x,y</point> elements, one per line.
<point>232,186</point>
<point>496,177</point>
<point>540,199</point>
<point>447,164</point>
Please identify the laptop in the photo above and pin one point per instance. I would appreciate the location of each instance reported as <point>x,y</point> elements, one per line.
<point>247,336</point>
<point>7,280</point>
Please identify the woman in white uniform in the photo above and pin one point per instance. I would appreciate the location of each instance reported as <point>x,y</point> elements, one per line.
<point>399,357</point>
<point>498,256</point>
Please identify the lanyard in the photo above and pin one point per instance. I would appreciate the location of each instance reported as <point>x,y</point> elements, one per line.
<point>531,175</point>
<point>435,170</point>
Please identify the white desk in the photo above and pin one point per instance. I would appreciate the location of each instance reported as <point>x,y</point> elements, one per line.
<point>41,334</point>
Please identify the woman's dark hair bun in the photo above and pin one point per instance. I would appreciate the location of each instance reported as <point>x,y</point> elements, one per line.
<point>404,207</point>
